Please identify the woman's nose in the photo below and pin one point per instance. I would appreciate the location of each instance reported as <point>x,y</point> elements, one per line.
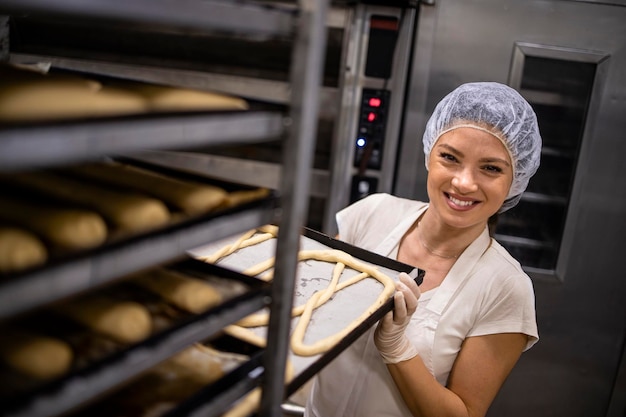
<point>464,181</point>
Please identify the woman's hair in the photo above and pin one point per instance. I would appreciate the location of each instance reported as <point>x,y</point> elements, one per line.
<point>499,110</point>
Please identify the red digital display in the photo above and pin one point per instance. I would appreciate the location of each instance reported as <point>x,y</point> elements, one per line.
<point>375,102</point>
<point>371,117</point>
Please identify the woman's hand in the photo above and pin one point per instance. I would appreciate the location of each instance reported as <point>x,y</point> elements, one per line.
<point>389,336</point>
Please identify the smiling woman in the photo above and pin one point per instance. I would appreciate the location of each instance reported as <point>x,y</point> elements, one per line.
<point>449,344</point>
<point>470,174</point>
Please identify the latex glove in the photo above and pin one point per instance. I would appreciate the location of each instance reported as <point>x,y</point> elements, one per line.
<point>390,337</point>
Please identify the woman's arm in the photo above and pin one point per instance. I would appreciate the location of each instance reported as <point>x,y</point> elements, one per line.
<point>478,372</point>
<point>480,368</point>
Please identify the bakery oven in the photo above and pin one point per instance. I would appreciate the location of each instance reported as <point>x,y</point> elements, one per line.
<point>567,58</point>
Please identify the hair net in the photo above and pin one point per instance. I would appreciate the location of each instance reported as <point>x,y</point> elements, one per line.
<point>501,111</point>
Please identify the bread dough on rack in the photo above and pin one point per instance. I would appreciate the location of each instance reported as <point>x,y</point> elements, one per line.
<point>37,356</point>
<point>62,228</point>
<point>190,197</point>
<point>20,249</point>
<point>170,99</point>
<point>27,95</point>
<point>342,260</point>
<point>123,321</point>
<point>187,293</point>
<point>127,211</point>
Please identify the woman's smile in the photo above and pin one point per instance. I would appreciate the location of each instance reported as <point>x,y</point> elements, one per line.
<point>470,174</point>
<point>460,203</point>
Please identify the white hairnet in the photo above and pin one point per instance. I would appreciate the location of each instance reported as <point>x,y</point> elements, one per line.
<point>504,113</point>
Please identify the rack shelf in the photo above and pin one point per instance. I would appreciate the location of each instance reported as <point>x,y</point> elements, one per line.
<point>77,388</point>
<point>45,145</point>
<point>91,269</point>
<point>54,144</point>
<point>239,17</point>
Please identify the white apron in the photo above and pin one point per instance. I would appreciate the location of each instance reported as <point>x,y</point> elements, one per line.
<point>357,383</point>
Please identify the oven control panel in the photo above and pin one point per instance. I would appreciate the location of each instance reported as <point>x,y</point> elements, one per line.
<point>371,129</point>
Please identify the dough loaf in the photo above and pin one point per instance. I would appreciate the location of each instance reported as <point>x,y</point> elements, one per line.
<point>191,198</point>
<point>29,96</point>
<point>123,321</point>
<point>170,99</point>
<point>37,356</point>
<point>63,228</point>
<point>188,293</point>
<point>127,211</point>
<point>20,249</point>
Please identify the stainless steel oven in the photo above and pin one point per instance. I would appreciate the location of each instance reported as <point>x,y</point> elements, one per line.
<point>568,58</point>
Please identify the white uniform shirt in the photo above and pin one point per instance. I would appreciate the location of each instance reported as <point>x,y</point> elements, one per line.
<point>485,292</point>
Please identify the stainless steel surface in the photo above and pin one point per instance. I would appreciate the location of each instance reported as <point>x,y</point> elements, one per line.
<point>573,369</point>
<point>353,80</point>
<point>4,38</point>
<point>306,77</point>
<point>199,15</point>
<point>25,147</point>
<point>248,172</point>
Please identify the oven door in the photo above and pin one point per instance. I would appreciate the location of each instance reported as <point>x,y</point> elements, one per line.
<point>568,58</point>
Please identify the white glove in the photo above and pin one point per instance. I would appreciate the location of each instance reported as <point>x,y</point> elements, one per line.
<point>389,337</point>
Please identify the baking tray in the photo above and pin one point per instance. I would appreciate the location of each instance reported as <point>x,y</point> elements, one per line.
<point>88,382</point>
<point>313,276</point>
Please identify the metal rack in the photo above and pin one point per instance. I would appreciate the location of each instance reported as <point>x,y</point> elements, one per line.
<point>25,147</point>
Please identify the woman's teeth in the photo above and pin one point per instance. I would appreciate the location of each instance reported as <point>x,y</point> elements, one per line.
<point>459,202</point>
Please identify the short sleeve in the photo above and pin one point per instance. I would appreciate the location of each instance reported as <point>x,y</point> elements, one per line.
<point>509,308</point>
<point>355,221</point>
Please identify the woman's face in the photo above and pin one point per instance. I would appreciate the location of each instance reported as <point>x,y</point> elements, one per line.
<point>469,176</point>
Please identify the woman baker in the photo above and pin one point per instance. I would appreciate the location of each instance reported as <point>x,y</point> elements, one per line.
<point>449,353</point>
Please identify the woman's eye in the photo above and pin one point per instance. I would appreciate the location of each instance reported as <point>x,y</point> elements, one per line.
<point>493,169</point>
<point>447,156</point>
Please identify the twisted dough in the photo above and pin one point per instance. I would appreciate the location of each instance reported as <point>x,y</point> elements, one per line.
<point>342,259</point>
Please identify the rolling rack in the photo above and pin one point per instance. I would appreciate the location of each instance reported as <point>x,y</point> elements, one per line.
<point>34,146</point>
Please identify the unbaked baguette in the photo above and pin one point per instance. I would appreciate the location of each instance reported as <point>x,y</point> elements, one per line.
<point>166,98</point>
<point>123,321</point>
<point>20,249</point>
<point>63,228</point>
<point>237,198</point>
<point>34,355</point>
<point>127,211</point>
<point>190,197</point>
<point>200,363</point>
<point>188,293</point>
<point>28,95</point>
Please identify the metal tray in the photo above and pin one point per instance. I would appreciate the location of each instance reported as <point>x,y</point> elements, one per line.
<point>338,312</point>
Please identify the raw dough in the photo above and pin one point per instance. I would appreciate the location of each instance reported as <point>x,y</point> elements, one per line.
<point>63,228</point>
<point>237,198</point>
<point>297,339</point>
<point>28,96</point>
<point>37,356</point>
<point>188,293</point>
<point>169,99</point>
<point>128,211</point>
<point>203,363</point>
<point>124,321</point>
<point>191,198</point>
<point>20,249</point>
